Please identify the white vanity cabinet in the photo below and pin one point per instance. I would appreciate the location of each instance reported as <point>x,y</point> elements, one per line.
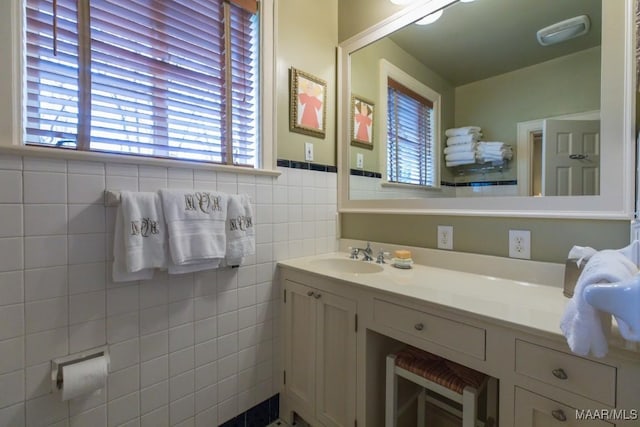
<point>319,354</point>
<point>506,329</point>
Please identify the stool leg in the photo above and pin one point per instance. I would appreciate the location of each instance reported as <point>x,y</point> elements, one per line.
<point>422,407</point>
<point>469,407</point>
<point>492,401</point>
<point>391,398</point>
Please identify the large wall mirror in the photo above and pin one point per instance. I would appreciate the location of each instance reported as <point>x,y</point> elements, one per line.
<point>556,121</point>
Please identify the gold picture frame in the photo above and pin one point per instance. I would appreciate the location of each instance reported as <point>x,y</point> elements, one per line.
<point>308,104</point>
<point>362,122</point>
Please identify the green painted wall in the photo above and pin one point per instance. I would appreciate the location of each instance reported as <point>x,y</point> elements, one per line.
<point>365,65</point>
<point>551,239</point>
<point>307,39</point>
<point>570,84</point>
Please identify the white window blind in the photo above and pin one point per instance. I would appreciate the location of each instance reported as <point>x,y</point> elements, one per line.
<point>410,137</point>
<point>176,79</point>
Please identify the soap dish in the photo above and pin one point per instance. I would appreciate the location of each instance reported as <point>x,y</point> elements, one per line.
<point>402,262</point>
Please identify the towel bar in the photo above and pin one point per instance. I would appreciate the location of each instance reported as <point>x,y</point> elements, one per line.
<point>111,198</point>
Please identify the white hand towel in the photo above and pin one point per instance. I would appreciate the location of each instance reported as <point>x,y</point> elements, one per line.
<point>458,148</point>
<point>193,267</point>
<point>467,155</point>
<point>621,300</point>
<point>195,223</point>
<point>119,271</point>
<point>466,130</point>
<point>462,139</point>
<point>241,241</point>
<point>145,232</point>
<point>581,323</point>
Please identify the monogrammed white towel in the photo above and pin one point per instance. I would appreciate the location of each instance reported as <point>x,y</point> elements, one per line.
<point>119,271</point>
<point>241,236</point>
<point>196,227</point>
<point>145,232</point>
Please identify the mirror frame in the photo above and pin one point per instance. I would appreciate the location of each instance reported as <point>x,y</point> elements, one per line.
<point>617,106</point>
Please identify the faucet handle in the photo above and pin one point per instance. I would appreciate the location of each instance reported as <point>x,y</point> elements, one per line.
<point>353,252</point>
<point>381,256</point>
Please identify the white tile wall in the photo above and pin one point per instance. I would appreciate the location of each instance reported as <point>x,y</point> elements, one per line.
<point>195,349</point>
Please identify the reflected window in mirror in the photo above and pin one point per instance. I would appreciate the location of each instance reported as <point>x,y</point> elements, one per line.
<point>411,136</point>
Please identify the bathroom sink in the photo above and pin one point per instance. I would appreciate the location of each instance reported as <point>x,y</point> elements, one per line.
<point>341,265</point>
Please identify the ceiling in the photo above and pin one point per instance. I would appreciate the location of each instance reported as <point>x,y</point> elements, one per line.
<point>484,38</point>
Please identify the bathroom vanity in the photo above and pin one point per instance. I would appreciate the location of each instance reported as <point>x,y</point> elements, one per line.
<point>341,319</point>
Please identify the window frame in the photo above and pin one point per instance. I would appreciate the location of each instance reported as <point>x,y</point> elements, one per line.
<point>266,159</point>
<point>390,71</point>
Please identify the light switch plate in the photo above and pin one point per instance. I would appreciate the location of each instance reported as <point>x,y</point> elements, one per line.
<point>308,151</point>
<point>360,161</point>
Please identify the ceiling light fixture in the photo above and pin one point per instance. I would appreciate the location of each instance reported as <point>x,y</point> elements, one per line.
<point>564,30</point>
<point>431,18</point>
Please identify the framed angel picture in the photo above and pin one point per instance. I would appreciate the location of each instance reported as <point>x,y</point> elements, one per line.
<point>307,104</point>
<point>362,122</point>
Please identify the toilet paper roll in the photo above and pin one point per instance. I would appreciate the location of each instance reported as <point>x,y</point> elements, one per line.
<point>83,377</point>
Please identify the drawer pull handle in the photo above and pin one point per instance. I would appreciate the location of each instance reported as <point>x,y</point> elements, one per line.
<point>560,374</point>
<point>310,293</point>
<point>317,296</point>
<point>559,415</point>
<point>419,326</point>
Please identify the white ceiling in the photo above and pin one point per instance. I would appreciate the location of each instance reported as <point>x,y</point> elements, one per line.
<point>474,41</point>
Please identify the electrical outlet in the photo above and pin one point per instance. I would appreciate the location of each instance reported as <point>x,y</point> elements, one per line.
<point>520,244</point>
<point>308,151</point>
<point>360,161</point>
<point>445,237</point>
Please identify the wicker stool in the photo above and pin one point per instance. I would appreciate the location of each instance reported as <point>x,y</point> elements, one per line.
<point>443,377</point>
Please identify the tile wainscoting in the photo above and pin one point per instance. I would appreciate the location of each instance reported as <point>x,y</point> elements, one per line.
<point>195,349</point>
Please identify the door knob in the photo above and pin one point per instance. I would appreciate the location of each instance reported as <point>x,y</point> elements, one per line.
<point>310,293</point>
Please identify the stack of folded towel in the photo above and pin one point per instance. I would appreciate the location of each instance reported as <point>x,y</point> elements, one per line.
<point>182,231</point>
<point>461,145</point>
<point>493,151</point>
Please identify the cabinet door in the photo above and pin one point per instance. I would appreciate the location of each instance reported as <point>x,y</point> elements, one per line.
<point>300,348</point>
<point>336,363</point>
<point>533,410</point>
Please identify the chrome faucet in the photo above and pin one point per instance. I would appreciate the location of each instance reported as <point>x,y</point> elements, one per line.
<point>367,253</point>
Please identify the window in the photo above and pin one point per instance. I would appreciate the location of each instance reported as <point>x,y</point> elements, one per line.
<point>410,136</point>
<point>174,79</point>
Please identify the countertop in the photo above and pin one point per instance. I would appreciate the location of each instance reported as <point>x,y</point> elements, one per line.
<point>525,305</point>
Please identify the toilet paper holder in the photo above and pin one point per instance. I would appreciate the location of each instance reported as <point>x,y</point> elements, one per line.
<point>57,380</point>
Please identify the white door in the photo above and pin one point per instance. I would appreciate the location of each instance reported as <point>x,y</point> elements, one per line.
<point>571,157</point>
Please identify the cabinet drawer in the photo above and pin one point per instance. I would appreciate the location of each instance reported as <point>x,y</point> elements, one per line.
<point>584,377</point>
<point>533,410</point>
<point>448,333</point>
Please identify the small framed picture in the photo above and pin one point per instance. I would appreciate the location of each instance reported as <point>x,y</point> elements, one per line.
<point>308,104</point>
<point>362,122</point>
